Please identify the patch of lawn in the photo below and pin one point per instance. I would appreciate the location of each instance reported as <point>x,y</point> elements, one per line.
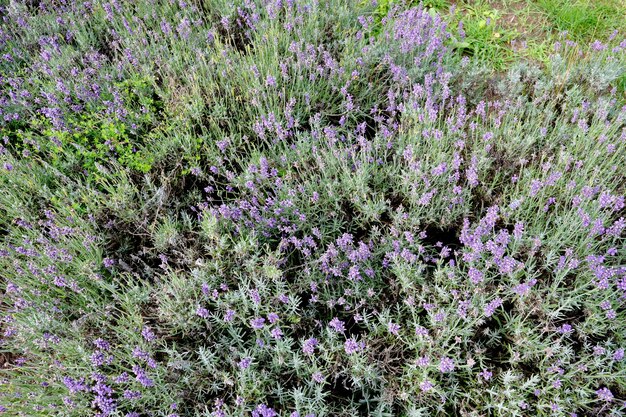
<point>483,34</point>
<point>586,20</point>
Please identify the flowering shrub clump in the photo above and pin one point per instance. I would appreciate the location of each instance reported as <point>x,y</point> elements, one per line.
<point>294,208</point>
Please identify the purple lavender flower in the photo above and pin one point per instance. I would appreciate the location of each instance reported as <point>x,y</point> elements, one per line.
<point>132,395</point>
<point>229,316</point>
<point>75,385</point>
<point>475,275</point>
<point>98,358</point>
<point>345,241</point>
<point>354,274</point>
<point>393,328</point>
<point>257,323</point>
<point>145,356</point>
<point>439,316</point>
<point>148,334</point>
<point>142,377</point>
<point>605,394</point>
<point>486,374</point>
<point>422,361</point>
<point>426,386</point>
<point>254,296</point>
<point>270,81</point>
<point>309,345</point>
<point>272,318</point>
<point>446,365</point>
<point>352,346</point>
<point>276,333</point>
<point>421,331</point>
<point>103,400</point>
<point>122,378</point>
<point>599,350</point>
<point>244,363</point>
<point>524,288</point>
<point>263,411</point>
<point>337,325</point>
<point>318,377</point>
<point>491,307</point>
<point>102,344</point>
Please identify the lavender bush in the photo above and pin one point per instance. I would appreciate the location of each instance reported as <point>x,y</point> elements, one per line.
<point>297,208</point>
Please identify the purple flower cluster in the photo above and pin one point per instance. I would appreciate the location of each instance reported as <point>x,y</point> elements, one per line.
<point>351,346</point>
<point>309,345</point>
<point>346,259</point>
<point>446,365</point>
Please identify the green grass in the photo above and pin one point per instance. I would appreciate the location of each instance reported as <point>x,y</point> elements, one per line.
<point>503,32</point>
<point>586,20</point>
<point>484,35</point>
